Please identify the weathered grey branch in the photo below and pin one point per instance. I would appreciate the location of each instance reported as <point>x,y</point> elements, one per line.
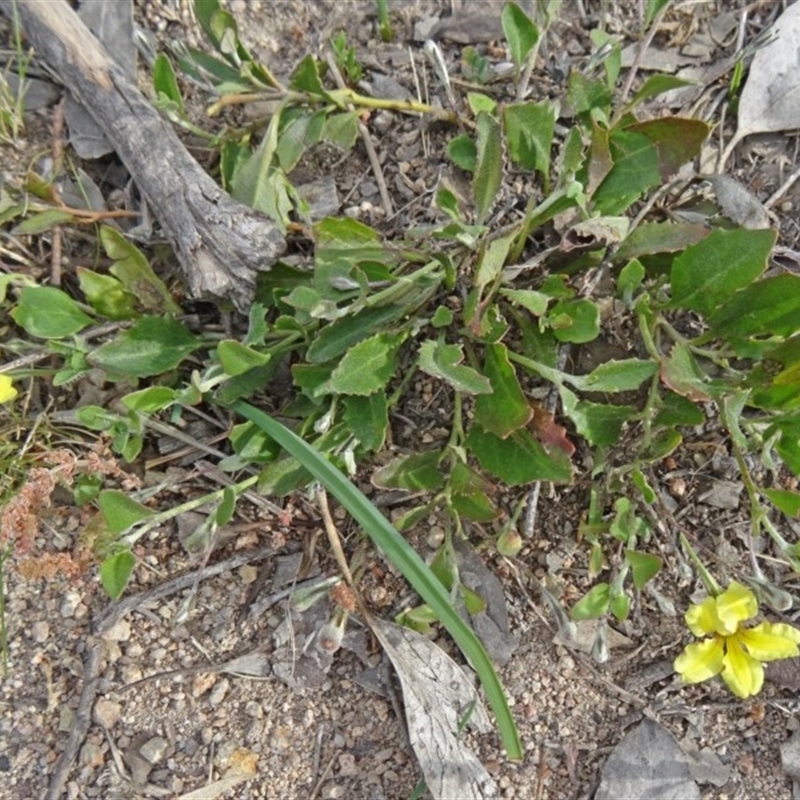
<point>221,244</point>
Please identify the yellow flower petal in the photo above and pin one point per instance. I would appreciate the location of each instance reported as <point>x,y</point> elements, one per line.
<point>701,660</point>
<point>743,674</point>
<point>702,619</point>
<point>768,642</point>
<point>7,391</point>
<point>736,604</point>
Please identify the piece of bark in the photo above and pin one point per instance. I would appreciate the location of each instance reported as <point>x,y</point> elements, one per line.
<point>112,26</point>
<point>221,244</point>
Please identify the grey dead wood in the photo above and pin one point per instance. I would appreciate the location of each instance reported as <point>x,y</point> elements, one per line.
<point>221,244</point>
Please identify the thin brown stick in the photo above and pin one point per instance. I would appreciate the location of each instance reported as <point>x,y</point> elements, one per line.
<point>640,51</point>
<point>91,668</point>
<point>333,535</point>
<point>80,725</point>
<point>124,607</point>
<point>377,171</point>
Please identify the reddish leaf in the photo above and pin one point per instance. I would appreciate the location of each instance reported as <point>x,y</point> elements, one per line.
<point>549,432</point>
<point>677,140</point>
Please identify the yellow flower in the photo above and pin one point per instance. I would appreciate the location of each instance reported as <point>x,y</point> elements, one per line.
<point>7,391</point>
<point>734,652</point>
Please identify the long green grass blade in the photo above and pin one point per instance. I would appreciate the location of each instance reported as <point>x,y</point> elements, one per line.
<point>404,557</point>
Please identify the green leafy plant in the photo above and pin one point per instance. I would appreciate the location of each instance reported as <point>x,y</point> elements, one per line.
<point>346,58</point>
<point>483,309</point>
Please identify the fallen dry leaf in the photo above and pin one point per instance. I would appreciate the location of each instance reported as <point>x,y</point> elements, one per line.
<point>436,694</point>
<point>770,99</point>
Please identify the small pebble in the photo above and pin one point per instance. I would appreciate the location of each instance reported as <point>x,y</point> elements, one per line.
<point>107,712</point>
<point>119,632</point>
<point>68,605</point>
<point>219,692</point>
<point>40,631</point>
<point>154,749</point>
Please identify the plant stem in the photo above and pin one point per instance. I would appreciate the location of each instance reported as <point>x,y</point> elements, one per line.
<point>212,497</point>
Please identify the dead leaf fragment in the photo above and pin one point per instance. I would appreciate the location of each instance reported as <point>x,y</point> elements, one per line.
<point>737,204</point>
<point>436,694</point>
<point>770,99</point>
<point>647,764</point>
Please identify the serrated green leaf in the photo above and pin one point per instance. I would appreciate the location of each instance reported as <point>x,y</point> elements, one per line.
<point>660,237</point>
<point>298,133</point>
<point>469,494</point>
<point>442,318</point>
<point>520,31</point>
<point>488,165</point>
<point>585,94</point>
<point>48,313</point>
<point>41,222</point>
<point>120,511</point>
<point>593,604</point>
<point>677,410</point>
<point>134,271</point>
<point>533,301</point>
<point>529,131</point>
<point>770,306</point>
<point>115,572</point>
<point>635,170</point>
<point>341,129</point>
<point>492,260</point>
<point>147,401</point>
<point>519,458</point>
<point>784,500</point>
<point>599,424</point>
<point>710,272</point>
<point>443,361</point>
<point>506,409</point>
<point>575,321</point>
<point>305,77</point>
<point>683,376</point>
<point>618,376</point>
<point>677,140</point>
<point>107,295</point>
<point>236,358</point>
<point>461,150</point>
<point>151,346</point>
<point>643,567</point>
<point>165,82</point>
<point>224,513</point>
<point>366,367</point>
<point>414,473</point>
<point>368,418</point>
<point>338,337</point>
